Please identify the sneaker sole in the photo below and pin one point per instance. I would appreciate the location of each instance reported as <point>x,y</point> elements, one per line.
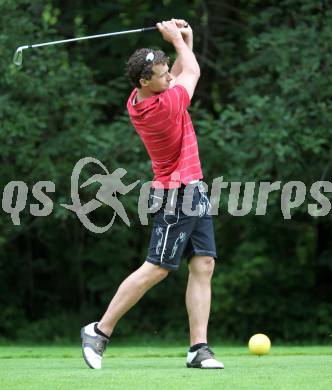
<point>198,365</point>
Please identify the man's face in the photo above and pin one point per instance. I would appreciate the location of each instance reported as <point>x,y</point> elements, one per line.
<point>160,79</point>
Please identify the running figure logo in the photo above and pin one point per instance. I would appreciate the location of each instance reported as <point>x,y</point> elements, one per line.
<point>110,184</point>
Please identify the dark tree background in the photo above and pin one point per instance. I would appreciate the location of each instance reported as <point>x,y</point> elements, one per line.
<point>262,112</point>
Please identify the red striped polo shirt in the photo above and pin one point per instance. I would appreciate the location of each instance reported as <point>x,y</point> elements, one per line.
<point>164,125</point>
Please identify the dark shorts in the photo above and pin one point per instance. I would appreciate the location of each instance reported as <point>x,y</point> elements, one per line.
<point>174,233</point>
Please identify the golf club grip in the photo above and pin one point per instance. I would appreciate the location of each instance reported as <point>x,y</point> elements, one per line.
<point>149,28</point>
<point>155,28</point>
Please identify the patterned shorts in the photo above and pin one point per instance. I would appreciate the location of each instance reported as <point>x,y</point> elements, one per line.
<point>174,232</point>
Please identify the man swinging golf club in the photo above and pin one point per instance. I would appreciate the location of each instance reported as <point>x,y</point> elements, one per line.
<point>158,110</point>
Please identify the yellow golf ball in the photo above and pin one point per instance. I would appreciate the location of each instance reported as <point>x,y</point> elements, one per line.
<point>259,344</point>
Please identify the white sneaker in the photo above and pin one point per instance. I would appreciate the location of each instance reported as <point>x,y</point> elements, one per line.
<point>203,358</point>
<point>93,346</point>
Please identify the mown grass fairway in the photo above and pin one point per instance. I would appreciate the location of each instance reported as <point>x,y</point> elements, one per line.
<point>159,367</point>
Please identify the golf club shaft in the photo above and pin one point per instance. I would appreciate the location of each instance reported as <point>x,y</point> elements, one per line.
<point>92,37</point>
<point>18,56</point>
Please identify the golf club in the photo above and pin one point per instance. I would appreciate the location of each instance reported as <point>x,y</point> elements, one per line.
<point>18,56</point>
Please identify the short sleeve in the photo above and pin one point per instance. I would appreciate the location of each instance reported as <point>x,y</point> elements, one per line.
<point>175,100</point>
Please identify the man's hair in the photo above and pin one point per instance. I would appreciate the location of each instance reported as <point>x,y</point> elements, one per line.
<point>138,67</point>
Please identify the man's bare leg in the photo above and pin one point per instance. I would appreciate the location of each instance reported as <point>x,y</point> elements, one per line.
<point>198,297</point>
<point>130,292</point>
<point>198,301</point>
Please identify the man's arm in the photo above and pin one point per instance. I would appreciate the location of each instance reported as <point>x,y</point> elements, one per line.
<point>187,35</point>
<point>188,65</point>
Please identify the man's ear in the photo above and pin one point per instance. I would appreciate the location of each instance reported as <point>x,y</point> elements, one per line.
<point>144,82</point>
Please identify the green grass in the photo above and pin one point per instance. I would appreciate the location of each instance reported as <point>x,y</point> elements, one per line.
<point>160,367</point>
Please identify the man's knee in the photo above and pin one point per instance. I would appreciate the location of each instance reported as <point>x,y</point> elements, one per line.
<point>154,273</point>
<point>202,265</point>
<point>161,273</point>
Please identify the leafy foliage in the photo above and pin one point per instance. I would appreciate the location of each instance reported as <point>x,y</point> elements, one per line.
<point>262,112</point>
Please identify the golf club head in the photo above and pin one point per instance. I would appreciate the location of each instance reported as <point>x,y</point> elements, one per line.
<point>18,56</point>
